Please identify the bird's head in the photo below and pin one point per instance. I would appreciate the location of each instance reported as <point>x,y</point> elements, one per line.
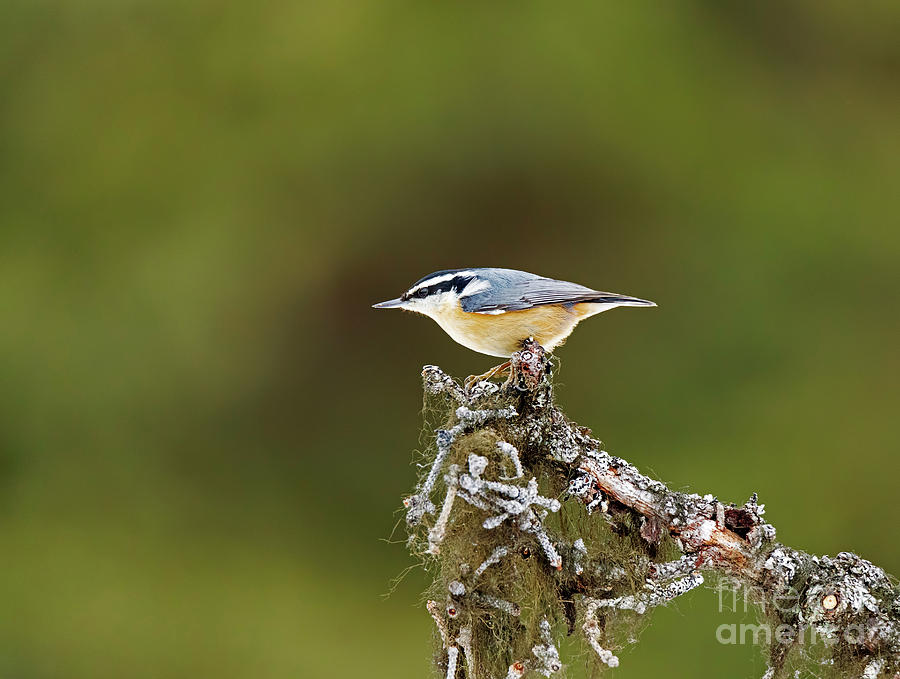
<point>438,292</point>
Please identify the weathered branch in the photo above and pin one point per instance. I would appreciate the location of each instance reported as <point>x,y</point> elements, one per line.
<point>509,564</point>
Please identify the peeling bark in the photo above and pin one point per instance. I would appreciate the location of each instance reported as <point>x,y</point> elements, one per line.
<point>832,596</point>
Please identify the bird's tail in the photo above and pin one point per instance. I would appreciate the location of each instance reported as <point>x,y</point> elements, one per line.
<point>622,300</point>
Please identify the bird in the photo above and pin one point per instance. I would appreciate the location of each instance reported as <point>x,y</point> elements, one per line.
<point>494,311</point>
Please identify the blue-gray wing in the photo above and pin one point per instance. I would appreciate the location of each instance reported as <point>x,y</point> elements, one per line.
<point>516,290</point>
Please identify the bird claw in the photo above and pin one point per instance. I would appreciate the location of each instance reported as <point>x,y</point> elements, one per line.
<point>473,380</point>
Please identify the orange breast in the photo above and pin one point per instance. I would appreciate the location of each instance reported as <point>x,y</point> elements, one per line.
<point>502,334</point>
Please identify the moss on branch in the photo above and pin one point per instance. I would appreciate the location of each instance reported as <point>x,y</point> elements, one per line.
<point>532,531</point>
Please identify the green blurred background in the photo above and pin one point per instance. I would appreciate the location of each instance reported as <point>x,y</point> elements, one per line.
<point>205,431</point>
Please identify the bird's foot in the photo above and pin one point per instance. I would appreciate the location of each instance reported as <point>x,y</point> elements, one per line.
<point>472,380</point>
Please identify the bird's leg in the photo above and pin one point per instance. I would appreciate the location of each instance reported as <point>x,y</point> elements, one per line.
<point>472,380</point>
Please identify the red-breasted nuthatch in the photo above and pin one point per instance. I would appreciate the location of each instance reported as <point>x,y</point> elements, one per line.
<point>493,311</point>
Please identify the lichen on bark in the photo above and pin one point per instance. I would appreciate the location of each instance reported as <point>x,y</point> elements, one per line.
<point>532,531</point>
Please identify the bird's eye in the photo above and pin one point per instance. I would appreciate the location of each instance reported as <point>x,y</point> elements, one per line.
<point>422,293</point>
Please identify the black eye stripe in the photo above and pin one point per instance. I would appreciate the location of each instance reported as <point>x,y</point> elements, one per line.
<point>456,284</point>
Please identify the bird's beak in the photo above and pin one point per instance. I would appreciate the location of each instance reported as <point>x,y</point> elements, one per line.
<point>390,304</point>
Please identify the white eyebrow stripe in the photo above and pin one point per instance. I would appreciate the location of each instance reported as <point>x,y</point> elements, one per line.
<point>439,279</point>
